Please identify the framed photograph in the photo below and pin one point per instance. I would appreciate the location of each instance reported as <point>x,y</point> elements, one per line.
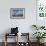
<point>17,13</point>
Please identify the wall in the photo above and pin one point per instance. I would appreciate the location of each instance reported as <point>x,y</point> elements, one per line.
<point>23,24</point>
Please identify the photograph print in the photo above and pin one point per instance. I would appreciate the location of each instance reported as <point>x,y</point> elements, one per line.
<point>17,13</point>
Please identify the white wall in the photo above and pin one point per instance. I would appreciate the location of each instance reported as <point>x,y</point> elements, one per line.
<point>23,24</point>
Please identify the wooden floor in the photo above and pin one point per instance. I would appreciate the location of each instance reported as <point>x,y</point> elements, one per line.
<point>13,44</point>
